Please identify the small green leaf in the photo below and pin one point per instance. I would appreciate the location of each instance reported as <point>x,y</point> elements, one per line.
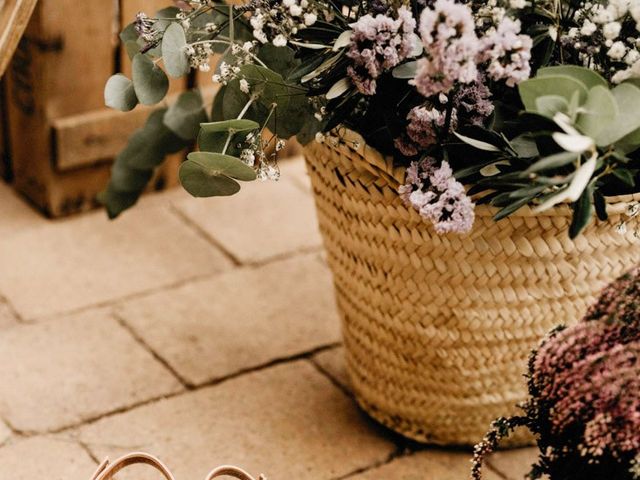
<point>219,164</point>
<point>406,70</point>
<point>340,87</point>
<point>626,176</point>
<point>553,161</point>
<point>586,76</point>
<point>149,81</point>
<point>480,145</point>
<point>627,121</point>
<point>281,60</point>
<point>127,179</point>
<point>186,114</point>
<point>174,55</point>
<point>115,201</point>
<point>212,174</point>
<point>239,125</point>
<point>559,85</point>
<point>598,111</point>
<point>549,105</point>
<point>600,205</point>
<point>120,94</point>
<point>198,182</point>
<point>582,213</point>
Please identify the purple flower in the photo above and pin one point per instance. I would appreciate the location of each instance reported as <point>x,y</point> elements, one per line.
<point>473,101</point>
<point>378,44</point>
<point>451,47</point>
<point>506,52</point>
<point>438,196</point>
<point>425,124</point>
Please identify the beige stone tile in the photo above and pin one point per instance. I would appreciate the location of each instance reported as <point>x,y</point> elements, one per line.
<point>294,169</point>
<point>45,458</point>
<point>60,373</point>
<point>87,260</point>
<point>332,362</point>
<point>288,422</point>
<point>425,465</point>
<point>263,221</point>
<point>514,464</point>
<point>7,318</point>
<point>15,213</point>
<point>212,328</point>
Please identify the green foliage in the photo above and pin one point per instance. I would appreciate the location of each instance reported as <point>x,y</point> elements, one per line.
<point>186,114</point>
<point>120,94</point>
<point>174,44</point>
<point>207,174</point>
<point>134,166</point>
<point>149,81</point>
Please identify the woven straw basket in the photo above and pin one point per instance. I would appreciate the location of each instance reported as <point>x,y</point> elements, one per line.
<point>438,328</point>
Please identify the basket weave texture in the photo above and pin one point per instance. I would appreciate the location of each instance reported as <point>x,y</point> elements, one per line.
<point>438,328</point>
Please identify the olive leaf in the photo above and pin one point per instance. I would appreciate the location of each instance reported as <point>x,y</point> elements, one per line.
<point>120,94</point>
<point>149,81</point>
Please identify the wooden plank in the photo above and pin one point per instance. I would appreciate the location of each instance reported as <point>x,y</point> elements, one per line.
<point>14,16</point>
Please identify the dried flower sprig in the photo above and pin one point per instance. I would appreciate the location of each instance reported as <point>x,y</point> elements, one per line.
<point>584,386</point>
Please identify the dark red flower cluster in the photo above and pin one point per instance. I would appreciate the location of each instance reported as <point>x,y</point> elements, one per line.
<point>584,385</point>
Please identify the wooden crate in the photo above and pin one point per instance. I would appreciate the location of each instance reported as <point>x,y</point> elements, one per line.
<point>61,139</point>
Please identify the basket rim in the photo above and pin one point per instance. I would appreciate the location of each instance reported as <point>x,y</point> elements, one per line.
<point>353,145</point>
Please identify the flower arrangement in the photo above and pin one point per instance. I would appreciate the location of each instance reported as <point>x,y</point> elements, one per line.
<point>508,102</point>
<point>584,386</point>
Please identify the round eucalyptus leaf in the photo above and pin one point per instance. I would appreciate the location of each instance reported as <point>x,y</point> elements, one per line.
<point>174,55</point>
<point>116,201</point>
<point>586,76</point>
<point>267,84</point>
<point>559,85</point>
<point>185,116</point>
<point>127,179</point>
<point>598,111</point>
<point>239,125</point>
<point>120,94</point>
<point>213,141</point>
<point>139,153</point>
<point>218,164</point>
<point>199,181</point>
<point>149,81</point>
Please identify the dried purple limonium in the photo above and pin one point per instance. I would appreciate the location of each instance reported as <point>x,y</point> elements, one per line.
<point>584,386</point>
<point>379,43</point>
<point>450,45</point>
<point>434,192</point>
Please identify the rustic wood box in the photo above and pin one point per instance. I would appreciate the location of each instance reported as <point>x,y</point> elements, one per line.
<point>58,136</point>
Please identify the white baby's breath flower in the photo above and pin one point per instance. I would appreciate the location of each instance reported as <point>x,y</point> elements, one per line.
<point>617,51</point>
<point>588,28</point>
<point>611,30</point>
<point>244,86</point>
<point>310,19</point>
<point>320,137</point>
<point>280,41</point>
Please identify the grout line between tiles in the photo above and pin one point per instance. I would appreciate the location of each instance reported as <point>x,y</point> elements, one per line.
<point>120,319</point>
<point>218,381</point>
<point>202,233</point>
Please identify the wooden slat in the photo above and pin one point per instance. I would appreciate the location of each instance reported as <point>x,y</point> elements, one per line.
<point>14,16</point>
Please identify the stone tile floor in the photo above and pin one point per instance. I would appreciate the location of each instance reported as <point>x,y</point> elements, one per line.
<point>203,331</point>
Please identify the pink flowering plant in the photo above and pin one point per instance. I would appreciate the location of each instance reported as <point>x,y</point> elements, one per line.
<point>584,385</point>
<point>508,102</point>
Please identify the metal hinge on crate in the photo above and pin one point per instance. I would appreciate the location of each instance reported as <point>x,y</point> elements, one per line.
<point>108,469</point>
